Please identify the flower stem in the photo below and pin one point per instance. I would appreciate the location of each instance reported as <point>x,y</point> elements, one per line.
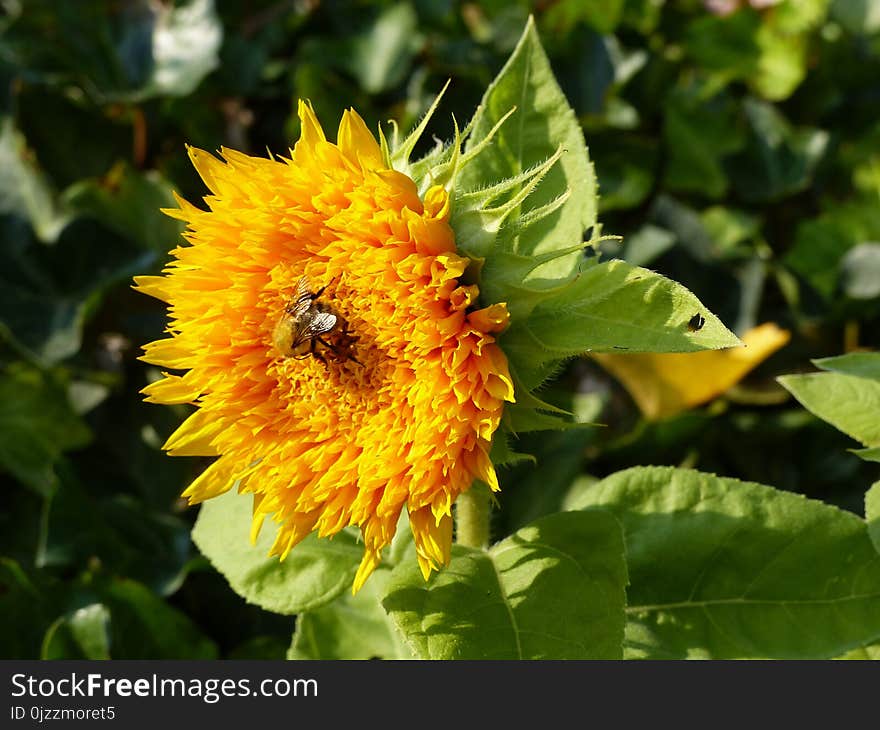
<point>472,517</point>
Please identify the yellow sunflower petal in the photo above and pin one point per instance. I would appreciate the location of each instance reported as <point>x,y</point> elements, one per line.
<point>214,481</point>
<point>154,286</point>
<point>433,539</point>
<point>172,389</point>
<point>356,141</point>
<point>208,168</point>
<point>311,133</point>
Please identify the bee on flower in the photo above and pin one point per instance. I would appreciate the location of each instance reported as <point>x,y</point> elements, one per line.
<point>343,405</point>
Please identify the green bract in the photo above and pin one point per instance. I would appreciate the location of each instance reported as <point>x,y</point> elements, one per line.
<point>524,194</point>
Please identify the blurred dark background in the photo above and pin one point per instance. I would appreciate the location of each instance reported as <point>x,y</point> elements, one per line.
<point>737,147</point>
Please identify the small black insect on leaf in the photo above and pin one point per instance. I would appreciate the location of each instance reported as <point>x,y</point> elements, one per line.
<point>695,324</point>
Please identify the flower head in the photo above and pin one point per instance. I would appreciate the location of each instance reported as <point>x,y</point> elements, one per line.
<point>390,400</point>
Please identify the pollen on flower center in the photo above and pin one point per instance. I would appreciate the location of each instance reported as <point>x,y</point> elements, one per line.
<point>382,387</point>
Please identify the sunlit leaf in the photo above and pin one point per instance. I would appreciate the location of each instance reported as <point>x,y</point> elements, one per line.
<point>848,402</point>
<point>185,43</point>
<point>562,17</point>
<point>615,307</point>
<point>351,627</point>
<point>748,571</point>
<point>861,364</point>
<point>872,454</point>
<point>552,590</point>
<point>315,573</point>
<point>872,514</point>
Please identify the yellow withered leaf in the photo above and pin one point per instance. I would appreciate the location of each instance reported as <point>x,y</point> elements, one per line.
<point>665,384</point>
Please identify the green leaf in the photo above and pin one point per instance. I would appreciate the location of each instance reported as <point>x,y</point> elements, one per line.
<point>726,45</point>
<point>862,364</point>
<point>88,144</point>
<point>186,40</point>
<point>872,514</point>
<point>316,571</point>
<point>128,202</point>
<point>783,62</point>
<point>260,647</point>
<point>380,58</point>
<point>542,123</point>
<point>866,653</point>
<point>767,51</point>
<point>796,16</point>
<point>821,244</point>
<point>562,17</point>
<point>848,402</point>
<point>130,52</point>
<point>646,244</point>
<point>699,133</point>
<point>81,634</point>
<point>860,271</point>
<point>725,569</point>
<point>857,16</point>
<point>868,454</point>
<point>614,307</point>
<point>128,536</point>
<point>47,293</point>
<point>26,608</point>
<point>351,627</point>
<point>552,590</point>
<point>37,425</point>
<point>24,190</point>
<point>142,625</point>
<point>779,160</point>
<point>502,454</point>
<point>729,227</point>
<point>532,490</point>
<point>626,168</point>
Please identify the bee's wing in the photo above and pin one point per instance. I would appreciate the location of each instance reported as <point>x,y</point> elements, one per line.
<point>312,326</point>
<point>320,324</point>
<point>302,301</point>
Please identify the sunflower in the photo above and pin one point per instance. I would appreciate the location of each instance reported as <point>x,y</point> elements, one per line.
<point>389,401</point>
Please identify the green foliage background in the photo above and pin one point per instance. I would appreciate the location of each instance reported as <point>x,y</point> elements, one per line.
<point>737,154</point>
